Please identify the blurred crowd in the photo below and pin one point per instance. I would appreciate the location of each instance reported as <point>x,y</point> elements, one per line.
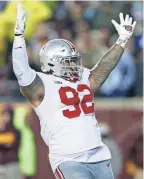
<point>88,25</point>
<point>17,144</point>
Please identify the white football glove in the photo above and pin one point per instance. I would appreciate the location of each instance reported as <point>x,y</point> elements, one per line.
<point>125,29</point>
<point>20,22</point>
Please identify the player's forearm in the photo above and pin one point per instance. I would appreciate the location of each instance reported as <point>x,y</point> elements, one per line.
<point>30,84</point>
<point>22,70</point>
<point>105,65</point>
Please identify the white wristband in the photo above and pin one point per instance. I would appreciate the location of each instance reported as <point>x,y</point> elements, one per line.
<point>122,41</point>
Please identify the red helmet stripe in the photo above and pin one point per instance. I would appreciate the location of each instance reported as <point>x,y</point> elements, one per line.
<point>71,45</point>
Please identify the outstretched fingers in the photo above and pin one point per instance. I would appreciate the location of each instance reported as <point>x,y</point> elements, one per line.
<point>127,19</point>
<point>130,21</point>
<point>134,24</point>
<point>121,18</point>
<point>20,11</point>
<point>115,24</point>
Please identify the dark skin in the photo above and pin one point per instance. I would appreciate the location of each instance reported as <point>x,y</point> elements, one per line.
<point>35,91</point>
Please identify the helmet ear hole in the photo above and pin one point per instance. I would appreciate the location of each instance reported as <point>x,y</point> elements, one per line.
<point>51,65</point>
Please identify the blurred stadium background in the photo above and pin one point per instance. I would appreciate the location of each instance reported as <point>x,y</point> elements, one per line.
<point>118,103</point>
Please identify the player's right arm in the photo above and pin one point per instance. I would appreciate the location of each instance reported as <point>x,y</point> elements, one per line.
<point>30,83</point>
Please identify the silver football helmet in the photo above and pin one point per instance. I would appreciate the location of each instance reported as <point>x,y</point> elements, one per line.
<point>61,58</point>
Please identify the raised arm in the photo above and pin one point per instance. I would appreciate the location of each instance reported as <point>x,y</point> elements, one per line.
<point>30,83</point>
<point>106,64</point>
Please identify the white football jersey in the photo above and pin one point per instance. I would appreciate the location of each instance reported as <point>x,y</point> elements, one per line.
<point>67,117</point>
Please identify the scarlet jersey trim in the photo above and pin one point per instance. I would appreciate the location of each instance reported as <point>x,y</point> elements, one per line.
<point>59,174</point>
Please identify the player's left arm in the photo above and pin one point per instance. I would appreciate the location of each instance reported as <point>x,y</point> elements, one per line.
<point>106,64</point>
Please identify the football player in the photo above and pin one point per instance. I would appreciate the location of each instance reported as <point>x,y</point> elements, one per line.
<point>62,99</point>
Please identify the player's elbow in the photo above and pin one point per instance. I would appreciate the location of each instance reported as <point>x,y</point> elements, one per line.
<point>24,77</point>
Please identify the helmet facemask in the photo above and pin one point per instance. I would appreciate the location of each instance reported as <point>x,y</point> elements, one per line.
<point>71,68</point>
<point>60,58</point>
